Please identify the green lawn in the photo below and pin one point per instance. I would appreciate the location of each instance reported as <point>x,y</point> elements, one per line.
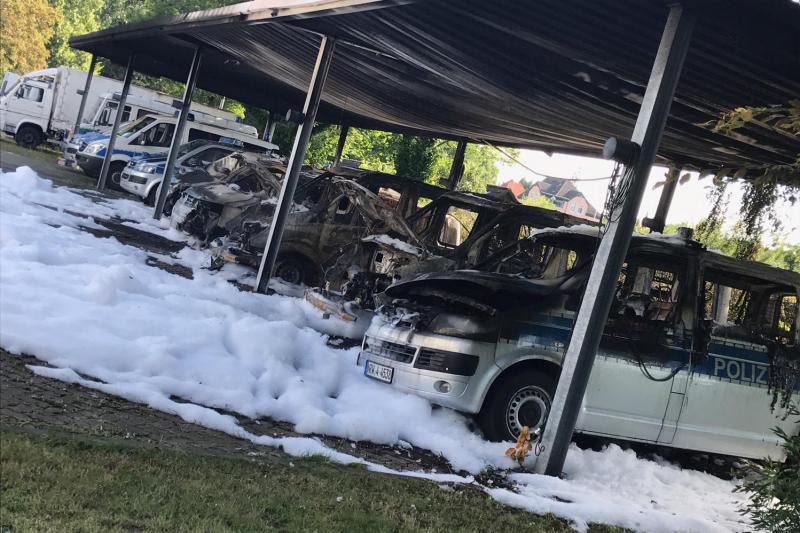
<point>55,484</point>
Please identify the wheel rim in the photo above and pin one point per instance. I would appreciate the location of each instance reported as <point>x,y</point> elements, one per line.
<point>28,138</point>
<point>529,406</point>
<point>290,272</point>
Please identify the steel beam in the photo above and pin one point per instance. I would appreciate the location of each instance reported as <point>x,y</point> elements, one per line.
<point>85,95</point>
<point>659,220</point>
<point>269,129</point>
<point>457,168</point>
<point>337,158</point>
<point>290,179</point>
<point>126,87</point>
<point>590,322</point>
<point>177,135</point>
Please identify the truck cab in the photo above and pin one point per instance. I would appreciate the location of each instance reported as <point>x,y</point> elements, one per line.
<point>25,108</point>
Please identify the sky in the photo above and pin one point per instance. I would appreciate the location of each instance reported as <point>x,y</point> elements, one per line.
<point>690,204</point>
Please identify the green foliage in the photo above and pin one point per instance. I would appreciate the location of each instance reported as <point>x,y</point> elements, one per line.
<point>774,489</point>
<point>77,17</point>
<point>541,201</point>
<point>375,149</point>
<point>26,26</point>
<point>415,156</point>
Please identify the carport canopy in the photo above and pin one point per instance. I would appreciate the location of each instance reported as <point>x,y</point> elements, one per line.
<point>554,75</point>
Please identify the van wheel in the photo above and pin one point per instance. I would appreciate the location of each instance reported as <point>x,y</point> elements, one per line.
<point>151,196</point>
<point>519,399</point>
<point>28,136</point>
<point>114,175</point>
<point>297,269</point>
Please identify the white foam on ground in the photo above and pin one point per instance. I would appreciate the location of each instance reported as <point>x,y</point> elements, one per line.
<point>91,305</point>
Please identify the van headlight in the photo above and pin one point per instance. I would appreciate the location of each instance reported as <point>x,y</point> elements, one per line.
<point>150,169</point>
<point>93,148</point>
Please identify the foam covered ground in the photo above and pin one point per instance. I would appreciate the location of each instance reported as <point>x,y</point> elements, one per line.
<point>94,310</point>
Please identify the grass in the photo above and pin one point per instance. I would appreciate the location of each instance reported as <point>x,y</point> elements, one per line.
<point>54,484</point>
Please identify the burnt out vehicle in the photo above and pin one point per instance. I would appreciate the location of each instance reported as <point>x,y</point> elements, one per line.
<point>459,230</point>
<point>204,209</point>
<point>332,213</point>
<point>685,358</point>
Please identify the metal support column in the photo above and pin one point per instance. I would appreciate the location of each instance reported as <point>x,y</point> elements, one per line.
<point>126,87</point>
<point>602,284</point>
<point>457,168</point>
<point>175,145</point>
<point>292,175</point>
<point>269,129</point>
<point>659,220</point>
<point>85,95</point>
<point>337,158</point>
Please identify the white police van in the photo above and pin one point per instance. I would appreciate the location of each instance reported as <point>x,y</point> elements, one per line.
<point>692,344</point>
<point>152,134</point>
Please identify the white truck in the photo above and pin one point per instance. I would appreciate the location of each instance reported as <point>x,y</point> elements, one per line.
<point>43,105</point>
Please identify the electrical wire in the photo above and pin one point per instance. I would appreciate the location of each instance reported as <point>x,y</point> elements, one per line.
<point>526,167</point>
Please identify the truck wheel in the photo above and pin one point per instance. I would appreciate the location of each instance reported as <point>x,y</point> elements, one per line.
<point>297,269</point>
<point>28,136</point>
<point>519,399</point>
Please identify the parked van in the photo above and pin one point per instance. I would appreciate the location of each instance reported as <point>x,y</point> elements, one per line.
<point>685,358</point>
<point>152,134</point>
<point>98,126</point>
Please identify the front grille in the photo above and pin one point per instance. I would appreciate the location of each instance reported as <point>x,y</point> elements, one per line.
<point>401,353</point>
<point>459,364</point>
<point>135,179</point>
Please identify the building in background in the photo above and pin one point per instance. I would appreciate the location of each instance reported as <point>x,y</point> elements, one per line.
<point>566,197</point>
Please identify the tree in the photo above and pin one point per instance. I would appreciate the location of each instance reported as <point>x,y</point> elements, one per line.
<point>26,26</point>
<point>77,17</point>
<point>480,165</point>
<point>542,201</point>
<point>415,156</point>
<point>774,488</point>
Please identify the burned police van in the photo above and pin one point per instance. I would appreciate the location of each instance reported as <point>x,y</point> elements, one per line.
<point>684,361</point>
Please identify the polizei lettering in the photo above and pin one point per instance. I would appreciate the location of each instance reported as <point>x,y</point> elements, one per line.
<point>736,370</point>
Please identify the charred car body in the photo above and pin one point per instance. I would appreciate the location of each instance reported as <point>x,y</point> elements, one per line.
<point>331,214</point>
<point>203,203</point>
<point>684,361</point>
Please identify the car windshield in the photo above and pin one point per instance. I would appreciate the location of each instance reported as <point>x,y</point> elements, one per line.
<point>136,126</point>
<point>547,258</point>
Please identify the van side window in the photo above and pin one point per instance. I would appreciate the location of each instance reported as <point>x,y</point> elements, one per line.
<point>458,224</point>
<point>781,315</point>
<point>195,134</point>
<point>158,135</point>
<point>126,114</point>
<point>648,291</point>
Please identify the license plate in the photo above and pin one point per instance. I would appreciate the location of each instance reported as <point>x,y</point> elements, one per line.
<point>379,372</point>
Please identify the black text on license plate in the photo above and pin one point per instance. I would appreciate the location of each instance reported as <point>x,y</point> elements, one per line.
<point>379,372</point>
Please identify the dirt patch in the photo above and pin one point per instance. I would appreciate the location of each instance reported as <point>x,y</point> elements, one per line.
<point>32,403</point>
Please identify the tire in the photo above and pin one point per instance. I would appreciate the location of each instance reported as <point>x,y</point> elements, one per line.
<point>28,136</point>
<point>297,269</point>
<point>114,174</point>
<point>519,399</point>
<point>151,196</point>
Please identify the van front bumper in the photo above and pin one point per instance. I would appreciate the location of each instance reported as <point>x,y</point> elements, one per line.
<point>137,182</point>
<point>411,355</point>
<point>90,164</point>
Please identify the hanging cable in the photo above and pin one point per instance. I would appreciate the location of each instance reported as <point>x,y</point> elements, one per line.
<point>526,167</point>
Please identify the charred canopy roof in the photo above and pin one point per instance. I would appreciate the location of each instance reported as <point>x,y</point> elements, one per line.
<point>559,75</point>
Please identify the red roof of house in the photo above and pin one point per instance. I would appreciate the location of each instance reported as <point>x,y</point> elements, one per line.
<point>515,187</point>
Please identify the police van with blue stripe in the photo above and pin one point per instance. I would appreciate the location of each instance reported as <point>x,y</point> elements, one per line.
<point>692,345</point>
